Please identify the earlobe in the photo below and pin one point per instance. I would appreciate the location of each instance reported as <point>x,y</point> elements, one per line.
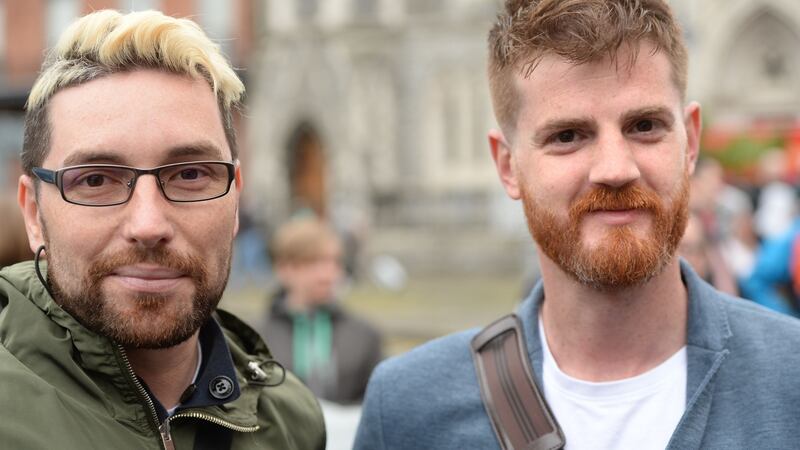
<point>503,162</point>
<point>26,197</point>
<point>693,122</point>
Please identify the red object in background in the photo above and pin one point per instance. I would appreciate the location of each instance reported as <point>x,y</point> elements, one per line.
<point>793,153</point>
<point>717,138</point>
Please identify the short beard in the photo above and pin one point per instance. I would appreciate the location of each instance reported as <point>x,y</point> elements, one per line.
<point>94,309</point>
<point>623,260</point>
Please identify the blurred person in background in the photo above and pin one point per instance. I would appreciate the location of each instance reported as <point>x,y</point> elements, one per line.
<point>704,258</point>
<point>707,183</point>
<point>14,246</point>
<point>630,348</point>
<point>708,225</point>
<point>776,208</point>
<point>739,242</point>
<point>250,265</point>
<point>131,190</point>
<point>775,279</point>
<point>307,329</point>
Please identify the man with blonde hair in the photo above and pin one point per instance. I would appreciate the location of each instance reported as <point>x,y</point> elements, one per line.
<point>130,193</point>
<point>331,350</point>
<point>621,345</point>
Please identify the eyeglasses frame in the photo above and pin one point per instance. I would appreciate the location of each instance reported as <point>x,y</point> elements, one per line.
<point>55,177</point>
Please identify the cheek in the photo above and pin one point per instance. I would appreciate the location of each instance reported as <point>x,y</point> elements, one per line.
<point>211,232</point>
<point>69,238</point>
<point>555,191</point>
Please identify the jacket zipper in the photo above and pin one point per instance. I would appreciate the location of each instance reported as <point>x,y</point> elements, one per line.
<point>214,420</point>
<point>163,429</point>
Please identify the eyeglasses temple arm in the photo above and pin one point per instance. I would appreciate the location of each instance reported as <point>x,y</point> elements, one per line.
<point>48,176</point>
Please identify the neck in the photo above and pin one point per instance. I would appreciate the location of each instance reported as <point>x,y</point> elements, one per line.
<point>610,335</point>
<point>167,372</point>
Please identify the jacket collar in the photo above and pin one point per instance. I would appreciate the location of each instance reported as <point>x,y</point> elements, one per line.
<point>81,351</point>
<point>708,331</point>
<point>216,382</point>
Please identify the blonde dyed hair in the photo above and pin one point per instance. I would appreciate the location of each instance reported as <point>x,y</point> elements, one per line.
<point>107,42</point>
<point>302,241</point>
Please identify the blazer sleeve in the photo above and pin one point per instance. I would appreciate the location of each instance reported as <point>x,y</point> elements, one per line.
<point>370,430</point>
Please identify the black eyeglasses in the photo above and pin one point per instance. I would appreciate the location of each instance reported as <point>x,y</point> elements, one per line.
<point>109,185</point>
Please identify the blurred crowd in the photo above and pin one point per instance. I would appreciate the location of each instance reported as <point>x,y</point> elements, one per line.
<point>742,238</point>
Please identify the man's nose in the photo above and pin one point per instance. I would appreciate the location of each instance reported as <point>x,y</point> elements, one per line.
<point>614,162</point>
<point>147,223</point>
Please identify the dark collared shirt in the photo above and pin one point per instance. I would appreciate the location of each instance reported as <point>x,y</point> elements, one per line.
<point>216,381</point>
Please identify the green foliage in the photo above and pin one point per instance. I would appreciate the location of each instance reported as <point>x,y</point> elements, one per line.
<point>744,151</point>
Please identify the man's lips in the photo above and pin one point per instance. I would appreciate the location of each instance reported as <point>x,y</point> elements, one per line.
<point>616,216</point>
<point>147,278</point>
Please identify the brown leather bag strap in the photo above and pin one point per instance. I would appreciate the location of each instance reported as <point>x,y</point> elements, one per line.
<point>519,414</point>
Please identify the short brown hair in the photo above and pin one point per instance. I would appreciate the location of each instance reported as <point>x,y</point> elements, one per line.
<point>301,241</point>
<point>580,31</point>
<point>106,42</point>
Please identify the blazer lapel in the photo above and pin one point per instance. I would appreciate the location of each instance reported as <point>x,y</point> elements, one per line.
<point>708,331</point>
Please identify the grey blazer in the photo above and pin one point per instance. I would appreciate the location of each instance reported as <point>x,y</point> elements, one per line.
<point>743,384</point>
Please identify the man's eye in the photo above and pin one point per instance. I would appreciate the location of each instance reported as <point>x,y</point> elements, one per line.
<point>190,174</point>
<point>644,126</point>
<point>566,136</point>
<point>95,180</point>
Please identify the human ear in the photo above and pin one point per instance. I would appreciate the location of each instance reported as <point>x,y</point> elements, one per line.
<point>26,197</point>
<point>503,156</point>
<point>693,121</point>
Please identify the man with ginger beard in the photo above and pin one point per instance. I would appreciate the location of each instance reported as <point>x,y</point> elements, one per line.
<point>628,346</point>
<point>111,338</point>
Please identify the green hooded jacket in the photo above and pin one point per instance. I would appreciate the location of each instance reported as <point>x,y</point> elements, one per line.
<point>64,387</point>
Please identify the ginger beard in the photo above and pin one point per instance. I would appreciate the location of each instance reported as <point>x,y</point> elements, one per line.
<point>622,259</point>
<point>144,320</point>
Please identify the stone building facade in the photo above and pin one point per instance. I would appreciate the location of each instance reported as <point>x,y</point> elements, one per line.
<point>376,111</point>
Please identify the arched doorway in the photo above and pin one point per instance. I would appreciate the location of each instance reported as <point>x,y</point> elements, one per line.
<point>307,168</point>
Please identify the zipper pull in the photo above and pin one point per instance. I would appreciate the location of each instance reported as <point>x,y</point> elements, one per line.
<point>166,438</point>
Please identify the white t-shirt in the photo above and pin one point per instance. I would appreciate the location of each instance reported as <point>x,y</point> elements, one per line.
<point>634,413</point>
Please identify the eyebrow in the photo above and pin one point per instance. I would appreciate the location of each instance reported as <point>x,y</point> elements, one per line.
<point>204,150</point>
<point>545,131</point>
<point>661,112</point>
